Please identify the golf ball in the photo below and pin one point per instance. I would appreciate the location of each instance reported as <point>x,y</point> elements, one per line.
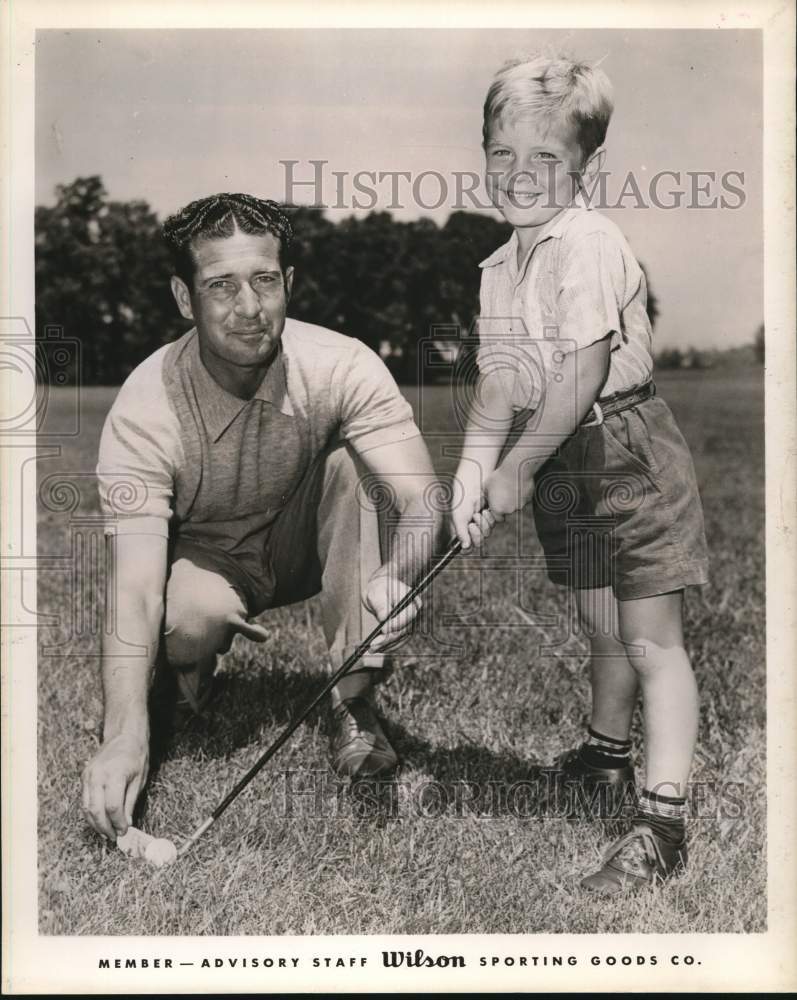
<point>160,852</point>
<point>133,843</point>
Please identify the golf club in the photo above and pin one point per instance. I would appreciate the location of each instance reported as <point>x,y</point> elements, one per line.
<point>360,651</point>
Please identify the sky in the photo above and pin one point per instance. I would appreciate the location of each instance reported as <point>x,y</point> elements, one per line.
<point>171,115</point>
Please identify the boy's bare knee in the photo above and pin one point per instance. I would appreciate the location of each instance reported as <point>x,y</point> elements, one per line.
<point>597,615</point>
<point>640,663</point>
<point>606,645</point>
<point>637,650</point>
<point>647,657</point>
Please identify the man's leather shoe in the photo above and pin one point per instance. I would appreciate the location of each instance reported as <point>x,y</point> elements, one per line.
<point>604,792</point>
<point>639,858</point>
<point>358,743</point>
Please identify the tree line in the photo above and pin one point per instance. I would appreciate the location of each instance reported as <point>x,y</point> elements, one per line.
<point>102,276</point>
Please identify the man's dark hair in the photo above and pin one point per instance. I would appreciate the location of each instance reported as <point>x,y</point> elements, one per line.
<point>218,217</point>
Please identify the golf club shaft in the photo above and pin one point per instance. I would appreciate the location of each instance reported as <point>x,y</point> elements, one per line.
<point>358,653</point>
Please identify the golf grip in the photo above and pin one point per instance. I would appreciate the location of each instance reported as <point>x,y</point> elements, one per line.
<point>405,601</point>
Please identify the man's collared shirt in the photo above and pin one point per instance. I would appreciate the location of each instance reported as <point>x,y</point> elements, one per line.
<point>579,283</point>
<point>178,450</point>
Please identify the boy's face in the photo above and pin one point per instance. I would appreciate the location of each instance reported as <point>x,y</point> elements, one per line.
<point>532,169</point>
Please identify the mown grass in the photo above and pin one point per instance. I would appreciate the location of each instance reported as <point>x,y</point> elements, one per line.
<point>475,706</point>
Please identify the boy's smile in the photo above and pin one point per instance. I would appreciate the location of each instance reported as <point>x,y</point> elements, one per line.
<point>533,170</point>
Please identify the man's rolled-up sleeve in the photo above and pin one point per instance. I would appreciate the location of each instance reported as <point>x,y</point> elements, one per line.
<point>373,411</point>
<point>135,468</point>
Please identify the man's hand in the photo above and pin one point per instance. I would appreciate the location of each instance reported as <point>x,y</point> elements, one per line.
<point>112,781</point>
<point>470,522</point>
<point>383,593</point>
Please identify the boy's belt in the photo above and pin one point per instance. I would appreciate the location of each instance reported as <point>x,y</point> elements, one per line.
<point>607,405</point>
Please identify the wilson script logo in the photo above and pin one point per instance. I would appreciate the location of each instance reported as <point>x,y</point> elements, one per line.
<point>420,960</point>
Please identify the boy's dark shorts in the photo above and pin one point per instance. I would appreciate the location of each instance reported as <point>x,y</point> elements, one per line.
<point>618,506</point>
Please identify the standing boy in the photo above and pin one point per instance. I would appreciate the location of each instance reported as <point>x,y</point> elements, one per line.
<point>566,345</point>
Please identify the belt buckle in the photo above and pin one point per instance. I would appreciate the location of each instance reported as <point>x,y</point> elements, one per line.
<point>596,418</point>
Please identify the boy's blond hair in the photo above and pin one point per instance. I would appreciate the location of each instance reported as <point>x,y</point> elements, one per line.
<point>553,87</point>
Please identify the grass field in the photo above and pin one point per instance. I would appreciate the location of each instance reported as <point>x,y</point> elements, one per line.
<point>475,706</point>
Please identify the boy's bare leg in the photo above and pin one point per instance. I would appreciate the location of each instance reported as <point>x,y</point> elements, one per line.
<point>614,680</point>
<point>599,771</point>
<point>652,630</point>
<point>655,846</point>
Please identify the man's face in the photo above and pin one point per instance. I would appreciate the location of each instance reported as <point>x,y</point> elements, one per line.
<point>532,170</point>
<point>237,302</point>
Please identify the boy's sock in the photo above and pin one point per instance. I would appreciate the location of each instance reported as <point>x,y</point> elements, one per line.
<point>605,751</point>
<point>664,814</point>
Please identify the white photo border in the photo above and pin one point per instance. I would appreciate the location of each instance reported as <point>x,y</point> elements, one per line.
<point>728,962</point>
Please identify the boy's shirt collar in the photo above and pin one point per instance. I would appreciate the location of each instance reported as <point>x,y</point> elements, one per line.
<point>560,223</point>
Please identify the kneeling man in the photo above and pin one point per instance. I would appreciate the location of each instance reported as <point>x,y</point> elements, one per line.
<point>231,469</point>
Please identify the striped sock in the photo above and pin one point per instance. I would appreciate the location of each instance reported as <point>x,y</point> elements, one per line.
<point>664,814</point>
<point>605,751</point>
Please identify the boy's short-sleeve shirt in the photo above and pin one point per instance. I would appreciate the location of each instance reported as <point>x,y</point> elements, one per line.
<point>177,450</point>
<point>578,284</point>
